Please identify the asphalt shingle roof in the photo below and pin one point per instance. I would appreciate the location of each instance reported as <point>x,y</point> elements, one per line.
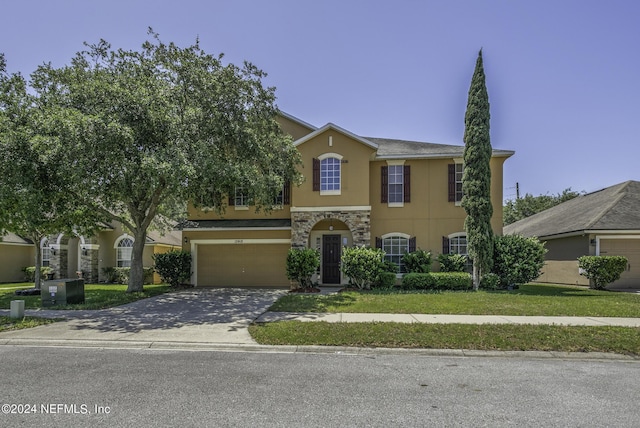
<point>389,148</point>
<point>614,208</point>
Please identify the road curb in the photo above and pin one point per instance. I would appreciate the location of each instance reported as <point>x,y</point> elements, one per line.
<point>292,349</point>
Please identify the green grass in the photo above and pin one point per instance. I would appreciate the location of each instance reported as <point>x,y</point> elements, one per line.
<point>7,323</point>
<point>505,337</point>
<point>97,296</point>
<point>530,299</point>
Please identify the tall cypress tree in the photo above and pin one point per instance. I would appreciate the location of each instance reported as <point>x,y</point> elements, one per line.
<point>476,181</point>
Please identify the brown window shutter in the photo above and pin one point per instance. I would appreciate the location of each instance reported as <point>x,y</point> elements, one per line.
<point>378,242</point>
<point>412,244</point>
<point>452,182</point>
<point>286,193</point>
<point>384,184</point>
<point>232,198</point>
<point>407,183</point>
<point>316,175</point>
<point>445,245</point>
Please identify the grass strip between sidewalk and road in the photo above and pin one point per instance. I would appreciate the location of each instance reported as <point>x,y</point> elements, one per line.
<point>97,296</point>
<point>7,323</point>
<point>487,337</point>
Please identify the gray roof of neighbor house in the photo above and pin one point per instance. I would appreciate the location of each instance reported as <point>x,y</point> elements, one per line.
<point>616,208</point>
<point>12,238</point>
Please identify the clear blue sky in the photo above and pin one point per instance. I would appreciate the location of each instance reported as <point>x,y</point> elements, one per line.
<point>563,75</point>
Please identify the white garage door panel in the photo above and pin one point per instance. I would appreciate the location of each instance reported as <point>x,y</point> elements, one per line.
<point>629,248</point>
<point>242,265</point>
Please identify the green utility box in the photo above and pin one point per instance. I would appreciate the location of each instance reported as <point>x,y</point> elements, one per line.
<point>62,292</point>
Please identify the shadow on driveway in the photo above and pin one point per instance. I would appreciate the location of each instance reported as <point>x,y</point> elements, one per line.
<point>235,308</point>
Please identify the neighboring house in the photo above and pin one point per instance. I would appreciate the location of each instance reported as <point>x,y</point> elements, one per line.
<point>606,222</point>
<point>16,253</point>
<point>67,255</point>
<point>397,195</point>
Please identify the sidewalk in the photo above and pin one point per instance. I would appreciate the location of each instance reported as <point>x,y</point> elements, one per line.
<point>447,319</point>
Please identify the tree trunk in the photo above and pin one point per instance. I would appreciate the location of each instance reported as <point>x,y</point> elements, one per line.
<point>476,275</point>
<point>136,273</point>
<point>37,275</point>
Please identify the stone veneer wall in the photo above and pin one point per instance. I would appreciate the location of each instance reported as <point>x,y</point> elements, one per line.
<point>359,223</point>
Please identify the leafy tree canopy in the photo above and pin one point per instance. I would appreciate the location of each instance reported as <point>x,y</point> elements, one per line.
<point>141,132</point>
<point>529,205</point>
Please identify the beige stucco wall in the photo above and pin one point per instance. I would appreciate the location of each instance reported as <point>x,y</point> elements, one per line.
<point>354,182</point>
<point>561,260</point>
<point>15,257</point>
<point>295,129</point>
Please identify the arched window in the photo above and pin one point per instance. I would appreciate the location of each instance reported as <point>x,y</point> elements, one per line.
<point>458,244</point>
<point>124,249</point>
<point>395,245</point>
<point>46,252</point>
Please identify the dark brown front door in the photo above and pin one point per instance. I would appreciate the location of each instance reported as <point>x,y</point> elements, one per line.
<point>331,252</point>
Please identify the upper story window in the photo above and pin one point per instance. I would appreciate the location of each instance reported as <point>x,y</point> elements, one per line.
<point>456,171</point>
<point>124,249</point>
<point>327,174</point>
<point>46,252</point>
<point>330,174</point>
<point>395,183</point>
<point>241,197</point>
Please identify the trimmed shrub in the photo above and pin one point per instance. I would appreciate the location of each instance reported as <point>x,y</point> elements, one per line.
<point>362,265</point>
<point>602,270</point>
<point>120,275</point>
<point>516,259</point>
<point>418,261</point>
<point>490,281</point>
<point>418,281</point>
<point>452,280</point>
<point>30,272</point>
<point>437,281</point>
<point>452,262</point>
<point>386,280</point>
<point>111,275</point>
<point>301,264</point>
<point>174,267</point>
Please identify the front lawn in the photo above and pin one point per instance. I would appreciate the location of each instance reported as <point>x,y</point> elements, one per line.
<point>530,299</point>
<point>97,296</point>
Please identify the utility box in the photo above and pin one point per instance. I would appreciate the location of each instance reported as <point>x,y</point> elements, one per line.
<point>62,292</point>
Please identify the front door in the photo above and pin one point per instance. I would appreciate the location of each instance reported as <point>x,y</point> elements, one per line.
<point>331,252</point>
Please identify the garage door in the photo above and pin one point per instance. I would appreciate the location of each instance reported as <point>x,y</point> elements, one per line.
<point>630,248</point>
<point>242,265</point>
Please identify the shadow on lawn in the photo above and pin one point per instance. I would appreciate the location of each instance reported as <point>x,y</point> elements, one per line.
<point>311,303</point>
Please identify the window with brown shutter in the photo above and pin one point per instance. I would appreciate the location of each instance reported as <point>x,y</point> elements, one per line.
<point>445,245</point>
<point>384,184</point>
<point>452,183</point>
<point>316,175</point>
<point>286,194</point>
<point>407,183</point>
<point>412,244</point>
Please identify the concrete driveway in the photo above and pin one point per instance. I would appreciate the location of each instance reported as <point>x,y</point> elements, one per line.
<point>197,316</point>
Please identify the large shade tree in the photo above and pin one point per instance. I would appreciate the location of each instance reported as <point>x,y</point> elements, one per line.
<point>142,132</point>
<point>476,180</point>
<point>33,202</point>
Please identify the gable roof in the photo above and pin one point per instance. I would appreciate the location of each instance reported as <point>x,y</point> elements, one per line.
<point>12,238</point>
<point>615,208</point>
<point>297,120</point>
<point>336,128</point>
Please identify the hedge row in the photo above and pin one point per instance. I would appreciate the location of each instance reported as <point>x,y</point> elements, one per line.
<point>437,281</point>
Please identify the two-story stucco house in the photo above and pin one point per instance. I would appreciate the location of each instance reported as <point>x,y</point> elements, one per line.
<point>397,195</point>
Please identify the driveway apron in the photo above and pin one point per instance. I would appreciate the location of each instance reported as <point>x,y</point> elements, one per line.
<point>215,316</point>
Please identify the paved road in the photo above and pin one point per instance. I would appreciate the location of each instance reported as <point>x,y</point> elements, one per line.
<point>227,389</point>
